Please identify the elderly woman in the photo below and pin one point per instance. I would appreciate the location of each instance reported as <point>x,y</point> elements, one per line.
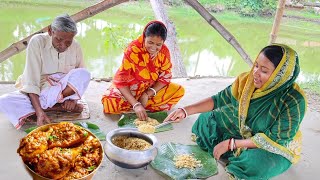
<point>254,123</point>
<point>143,80</point>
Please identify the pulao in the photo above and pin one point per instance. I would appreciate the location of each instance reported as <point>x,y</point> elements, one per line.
<point>131,143</point>
<point>186,161</point>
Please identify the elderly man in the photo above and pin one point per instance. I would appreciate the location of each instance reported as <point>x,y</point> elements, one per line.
<point>54,77</point>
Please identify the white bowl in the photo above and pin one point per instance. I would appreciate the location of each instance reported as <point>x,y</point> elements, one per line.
<point>130,159</point>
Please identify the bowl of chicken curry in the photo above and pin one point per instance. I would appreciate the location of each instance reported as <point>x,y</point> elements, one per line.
<point>61,151</point>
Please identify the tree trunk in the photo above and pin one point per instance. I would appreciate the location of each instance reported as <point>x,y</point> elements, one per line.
<point>222,30</point>
<point>277,21</point>
<point>178,68</point>
<point>17,47</point>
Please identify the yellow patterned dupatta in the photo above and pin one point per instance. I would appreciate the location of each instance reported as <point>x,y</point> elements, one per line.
<point>279,102</point>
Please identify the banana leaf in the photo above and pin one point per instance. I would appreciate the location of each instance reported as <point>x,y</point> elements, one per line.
<point>127,120</point>
<point>30,129</point>
<point>164,162</point>
<point>93,128</point>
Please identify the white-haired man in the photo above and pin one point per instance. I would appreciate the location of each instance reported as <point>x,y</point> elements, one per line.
<point>54,77</point>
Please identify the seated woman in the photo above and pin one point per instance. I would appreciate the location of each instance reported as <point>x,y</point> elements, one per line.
<point>143,80</point>
<point>254,123</point>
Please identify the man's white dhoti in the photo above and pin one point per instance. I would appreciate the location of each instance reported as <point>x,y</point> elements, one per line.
<point>17,106</point>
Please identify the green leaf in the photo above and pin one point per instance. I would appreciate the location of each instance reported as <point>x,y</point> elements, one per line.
<point>30,129</point>
<point>128,119</point>
<point>85,134</point>
<point>93,128</point>
<point>164,162</point>
<point>51,138</point>
<point>91,168</point>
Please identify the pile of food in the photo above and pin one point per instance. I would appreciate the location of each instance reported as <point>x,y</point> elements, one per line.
<point>193,137</point>
<point>61,151</point>
<point>131,143</point>
<point>149,121</point>
<point>147,126</point>
<point>186,161</point>
<point>146,129</point>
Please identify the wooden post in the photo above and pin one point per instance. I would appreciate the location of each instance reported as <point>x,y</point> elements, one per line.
<point>178,68</point>
<point>17,47</point>
<point>221,30</point>
<point>277,21</point>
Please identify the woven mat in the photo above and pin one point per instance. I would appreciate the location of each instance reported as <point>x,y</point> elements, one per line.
<point>57,116</point>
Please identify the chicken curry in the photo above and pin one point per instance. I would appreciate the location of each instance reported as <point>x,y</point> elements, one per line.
<point>61,151</point>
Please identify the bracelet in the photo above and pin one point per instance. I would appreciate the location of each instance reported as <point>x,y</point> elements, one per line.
<point>232,144</point>
<point>154,91</point>
<point>229,144</point>
<point>136,104</point>
<point>185,112</point>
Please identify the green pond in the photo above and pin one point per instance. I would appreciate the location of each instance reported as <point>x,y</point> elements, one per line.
<point>205,53</point>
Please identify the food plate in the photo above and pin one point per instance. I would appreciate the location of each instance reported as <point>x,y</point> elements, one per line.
<point>45,143</point>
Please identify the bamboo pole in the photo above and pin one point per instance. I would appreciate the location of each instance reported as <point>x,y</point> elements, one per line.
<point>222,30</point>
<point>21,45</point>
<point>277,21</point>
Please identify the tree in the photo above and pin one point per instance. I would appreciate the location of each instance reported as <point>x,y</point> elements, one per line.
<point>17,47</point>
<point>221,30</point>
<point>178,69</point>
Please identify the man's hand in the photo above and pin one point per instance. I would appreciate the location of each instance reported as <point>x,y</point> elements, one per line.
<point>42,118</point>
<point>220,149</point>
<point>69,105</point>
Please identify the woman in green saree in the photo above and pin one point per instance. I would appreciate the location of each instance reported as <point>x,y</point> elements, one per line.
<point>254,123</point>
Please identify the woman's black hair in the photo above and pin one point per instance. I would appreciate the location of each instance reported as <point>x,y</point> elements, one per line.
<point>274,53</point>
<point>156,29</point>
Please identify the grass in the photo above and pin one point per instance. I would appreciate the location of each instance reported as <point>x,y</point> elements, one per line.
<point>303,13</point>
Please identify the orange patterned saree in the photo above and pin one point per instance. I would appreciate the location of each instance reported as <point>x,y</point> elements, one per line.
<point>139,72</point>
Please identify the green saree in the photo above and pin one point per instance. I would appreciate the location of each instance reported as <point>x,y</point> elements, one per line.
<point>270,116</point>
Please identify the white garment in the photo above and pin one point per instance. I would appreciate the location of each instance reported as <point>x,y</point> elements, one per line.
<point>42,60</point>
<point>17,106</point>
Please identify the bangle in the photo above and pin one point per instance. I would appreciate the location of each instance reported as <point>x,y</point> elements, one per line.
<point>232,144</point>
<point>229,144</point>
<point>235,146</point>
<point>136,104</point>
<point>185,112</point>
<point>154,91</point>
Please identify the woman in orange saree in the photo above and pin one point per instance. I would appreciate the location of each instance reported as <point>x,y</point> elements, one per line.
<point>143,80</point>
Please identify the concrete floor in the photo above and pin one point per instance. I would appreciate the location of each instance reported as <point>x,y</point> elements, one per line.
<point>12,168</point>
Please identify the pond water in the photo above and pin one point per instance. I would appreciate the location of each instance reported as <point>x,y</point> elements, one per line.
<point>205,53</point>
